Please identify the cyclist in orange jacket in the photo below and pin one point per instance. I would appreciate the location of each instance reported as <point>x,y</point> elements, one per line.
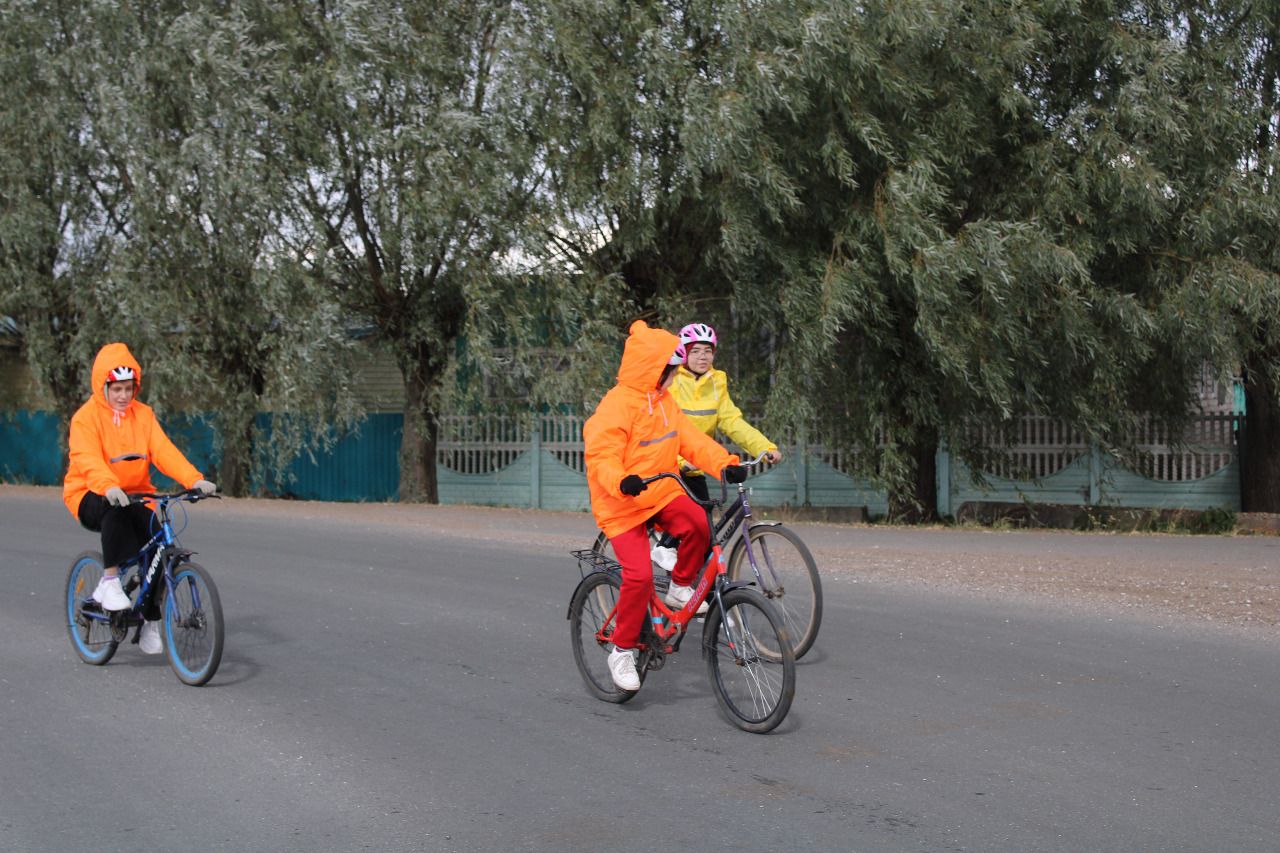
<point>637,431</point>
<point>115,439</point>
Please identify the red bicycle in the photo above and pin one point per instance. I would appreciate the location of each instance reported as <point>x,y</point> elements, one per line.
<point>749,656</point>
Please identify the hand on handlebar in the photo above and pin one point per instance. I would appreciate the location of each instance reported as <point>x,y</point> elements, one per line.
<point>206,488</point>
<point>773,456</point>
<point>632,485</point>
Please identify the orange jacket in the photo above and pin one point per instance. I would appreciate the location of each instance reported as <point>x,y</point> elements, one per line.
<point>638,429</point>
<point>118,449</point>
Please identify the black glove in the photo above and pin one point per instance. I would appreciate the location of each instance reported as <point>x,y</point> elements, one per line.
<point>632,485</point>
<point>734,473</point>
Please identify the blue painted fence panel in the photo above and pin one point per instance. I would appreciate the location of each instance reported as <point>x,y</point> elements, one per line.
<point>362,466</point>
<point>30,449</point>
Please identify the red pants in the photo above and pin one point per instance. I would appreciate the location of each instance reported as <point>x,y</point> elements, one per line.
<point>683,519</point>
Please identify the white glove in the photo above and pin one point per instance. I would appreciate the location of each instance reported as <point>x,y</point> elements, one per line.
<point>117,497</point>
<point>205,486</point>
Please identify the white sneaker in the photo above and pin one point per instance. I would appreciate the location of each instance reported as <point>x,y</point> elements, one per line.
<point>622,665</point>
<point>678,596</point>
<point>111,595</point>
<point>664,558</point>
<point>149,642</point>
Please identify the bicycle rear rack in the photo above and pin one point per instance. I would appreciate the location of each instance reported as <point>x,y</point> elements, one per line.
<point>590,561</point>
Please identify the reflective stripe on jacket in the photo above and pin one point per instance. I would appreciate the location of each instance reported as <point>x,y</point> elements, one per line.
<point>638,429</point>
<point>108,449</point>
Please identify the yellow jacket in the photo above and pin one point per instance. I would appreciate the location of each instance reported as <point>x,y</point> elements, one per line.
<point>118,449</point>
<point>705,399</point>
<point>638,429</point>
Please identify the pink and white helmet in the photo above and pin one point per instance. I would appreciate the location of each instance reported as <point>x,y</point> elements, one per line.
<point>697,333</point>
<point>679,355</point>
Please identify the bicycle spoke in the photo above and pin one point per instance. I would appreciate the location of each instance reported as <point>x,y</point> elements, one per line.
<point>591,624</point>
<point>783,570</point>
<point>750,661</point>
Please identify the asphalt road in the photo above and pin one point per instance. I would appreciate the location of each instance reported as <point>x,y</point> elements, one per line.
<point>394,688</point>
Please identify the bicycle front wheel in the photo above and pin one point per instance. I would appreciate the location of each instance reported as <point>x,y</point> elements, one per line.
<point>87,623</point>
<point>591,622</point>
<point>787,576</point>
<point>749,660</point>
<point>193,628</point>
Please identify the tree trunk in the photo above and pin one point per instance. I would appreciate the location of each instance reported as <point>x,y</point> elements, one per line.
<point>1260,447</point>
<point>237,450</point>
<point>418,444</point>
<point>921,503</point>
<point>237,422</point>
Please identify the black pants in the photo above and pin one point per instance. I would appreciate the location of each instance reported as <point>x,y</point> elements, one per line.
<point>124,529</point>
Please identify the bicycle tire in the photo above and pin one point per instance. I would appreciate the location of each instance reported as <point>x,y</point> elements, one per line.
<point>193,628</point>
<point>755,690</point>
<point>589,611</point>
<point>788,577</point>
<point>92,639</point>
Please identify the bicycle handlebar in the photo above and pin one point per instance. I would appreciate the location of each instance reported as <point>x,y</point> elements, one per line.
<point>724,487</point>
<point>188,495</point>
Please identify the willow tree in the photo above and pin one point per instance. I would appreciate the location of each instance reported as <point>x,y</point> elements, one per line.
<point>420,172</point>
<point>631,203</point>
<point>1240,44</point>
<point>223,316</point>
<point>57,202</point>
<point>938,215</point>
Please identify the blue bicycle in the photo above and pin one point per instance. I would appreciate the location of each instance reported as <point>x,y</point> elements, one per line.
<point>163,574</point>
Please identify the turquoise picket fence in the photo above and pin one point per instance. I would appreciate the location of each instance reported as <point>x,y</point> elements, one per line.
<point>537,461</point>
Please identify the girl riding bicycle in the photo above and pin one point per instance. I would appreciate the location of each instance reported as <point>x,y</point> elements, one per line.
<point>115,439</point>
<point>637,431</point>
<point>702,392</point>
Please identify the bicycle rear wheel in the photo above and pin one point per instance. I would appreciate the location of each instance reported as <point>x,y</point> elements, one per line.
<point>193,628</point>
<point>89,627</point>
<point>787,576</point>
<point>754,688</point>
<point>591,622</point>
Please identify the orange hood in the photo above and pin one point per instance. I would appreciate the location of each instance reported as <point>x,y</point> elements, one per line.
<point>110,357</point>
<point>645,356</point>
<point>107,449</point>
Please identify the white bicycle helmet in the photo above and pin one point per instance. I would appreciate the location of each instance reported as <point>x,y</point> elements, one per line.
<point>697,333</point>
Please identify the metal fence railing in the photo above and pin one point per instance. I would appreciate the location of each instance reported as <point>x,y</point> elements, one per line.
<point>481,444</point>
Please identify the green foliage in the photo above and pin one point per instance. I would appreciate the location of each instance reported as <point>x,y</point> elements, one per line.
<point>928,215</point>
<point>907,219</point>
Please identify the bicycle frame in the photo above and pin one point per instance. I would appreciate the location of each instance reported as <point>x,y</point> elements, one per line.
<point>669,625</point>
<point>737,517</point>
<point>159,555</point>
